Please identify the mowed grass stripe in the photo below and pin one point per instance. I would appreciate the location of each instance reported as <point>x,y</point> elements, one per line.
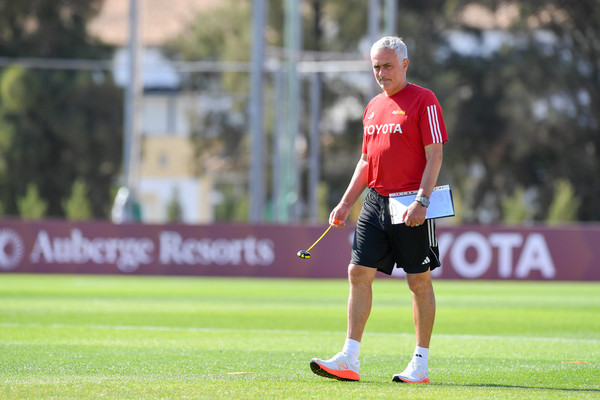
<point>287,332</point>
<point>130,337</point>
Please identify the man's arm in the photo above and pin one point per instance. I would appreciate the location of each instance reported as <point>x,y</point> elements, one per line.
<point>415,214</point>
<point>357,185</point>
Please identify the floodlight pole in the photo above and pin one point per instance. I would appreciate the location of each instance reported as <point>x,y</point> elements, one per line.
<point>314,176</point>
<point>391,9</point>
<point>255,109</point>
<point>277,144</point>
<point>374,19</point>
<point>290,168</point>
<point>133,96</point>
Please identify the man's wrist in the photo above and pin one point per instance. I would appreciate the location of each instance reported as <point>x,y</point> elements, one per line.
<point>423,200</point>
<point>345,203</point>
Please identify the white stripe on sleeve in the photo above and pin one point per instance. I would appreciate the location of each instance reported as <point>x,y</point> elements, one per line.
<point>434,125</point>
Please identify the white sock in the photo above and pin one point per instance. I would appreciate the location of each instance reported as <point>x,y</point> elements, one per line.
<point>421,355</point>
<point>351,348</point>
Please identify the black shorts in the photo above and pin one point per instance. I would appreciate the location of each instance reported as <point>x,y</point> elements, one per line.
<point>379,244</point>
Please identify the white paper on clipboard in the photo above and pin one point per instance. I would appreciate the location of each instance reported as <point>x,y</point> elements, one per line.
<point>440,204</point>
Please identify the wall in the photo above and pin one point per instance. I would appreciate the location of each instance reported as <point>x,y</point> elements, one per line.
<point>467,252</point>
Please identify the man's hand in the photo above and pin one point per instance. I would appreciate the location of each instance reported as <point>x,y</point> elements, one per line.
<point>414,214</point>
<point>339,215</point>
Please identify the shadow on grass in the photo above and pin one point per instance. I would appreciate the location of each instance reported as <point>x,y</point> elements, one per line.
<point>479,386</point>
<point>493,385</point>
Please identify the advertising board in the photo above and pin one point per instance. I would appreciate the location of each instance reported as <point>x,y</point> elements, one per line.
<point>466,252</point>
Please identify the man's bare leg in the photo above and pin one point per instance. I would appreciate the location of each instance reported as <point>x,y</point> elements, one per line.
<point>423,315</point>
<point>360,299</point>
<point>345,365</point>
<point>423,299</point>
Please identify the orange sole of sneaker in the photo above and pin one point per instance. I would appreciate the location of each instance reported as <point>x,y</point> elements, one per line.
<point>328,373</point>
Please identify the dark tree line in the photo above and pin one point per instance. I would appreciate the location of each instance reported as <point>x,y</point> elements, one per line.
<point>530,119</point>
<point>523,118</point>
<point>56,126</point>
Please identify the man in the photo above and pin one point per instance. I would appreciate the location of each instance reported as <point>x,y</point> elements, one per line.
<point>403,136</point>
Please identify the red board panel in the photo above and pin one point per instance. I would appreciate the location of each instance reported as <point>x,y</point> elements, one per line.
<point>467,252</point>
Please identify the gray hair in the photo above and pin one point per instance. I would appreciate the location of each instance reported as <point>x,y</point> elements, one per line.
<point>391,42</point>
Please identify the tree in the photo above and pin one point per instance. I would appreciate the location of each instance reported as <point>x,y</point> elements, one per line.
<point>565,204</point>
<point>223,35</point>
<point>32,206</point>
<point>48,28</point>
<point>174,211</point>
<point>78,206</point>
<point>573,73</point>
<point>514,208</point>
<point>56,125</point>
<point>527,113</point>
<point>520,115</point>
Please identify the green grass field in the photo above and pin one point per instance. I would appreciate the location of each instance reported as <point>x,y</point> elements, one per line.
<point>128,337</point>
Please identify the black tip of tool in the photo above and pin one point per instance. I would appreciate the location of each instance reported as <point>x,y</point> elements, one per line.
<point>303,254</point>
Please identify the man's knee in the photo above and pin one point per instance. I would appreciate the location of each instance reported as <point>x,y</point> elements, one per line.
<point>420,283</point>
<point>358,274</point>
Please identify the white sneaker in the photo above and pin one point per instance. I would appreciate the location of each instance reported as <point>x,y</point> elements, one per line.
<point>339,367</point>
<point>414,373</point>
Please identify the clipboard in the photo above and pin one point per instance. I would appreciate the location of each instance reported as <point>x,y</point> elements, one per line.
<point>441,204</point>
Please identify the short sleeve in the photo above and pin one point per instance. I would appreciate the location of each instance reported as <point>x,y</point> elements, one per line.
<point>432,126</point>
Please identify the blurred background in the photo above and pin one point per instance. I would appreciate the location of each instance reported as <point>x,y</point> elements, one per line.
<point>204,111</point>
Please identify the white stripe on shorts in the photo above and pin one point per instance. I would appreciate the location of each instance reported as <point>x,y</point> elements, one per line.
<point>431,233</point>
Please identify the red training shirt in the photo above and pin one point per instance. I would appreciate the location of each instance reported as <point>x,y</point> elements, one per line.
<point>396,130</point>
